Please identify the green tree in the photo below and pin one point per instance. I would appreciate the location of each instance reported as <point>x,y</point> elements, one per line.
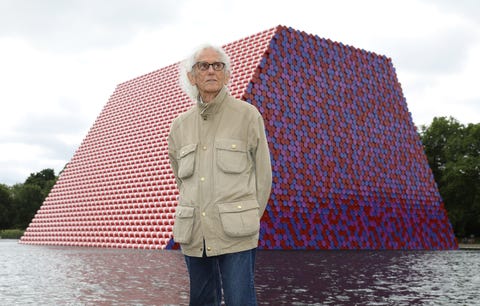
<point>453,152</point>
<point>27,200</point>
<point>29,196</point>
<point>45,179</point>
<point>5,207</point>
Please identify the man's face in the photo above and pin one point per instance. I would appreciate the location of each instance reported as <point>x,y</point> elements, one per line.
<point>210,81</point>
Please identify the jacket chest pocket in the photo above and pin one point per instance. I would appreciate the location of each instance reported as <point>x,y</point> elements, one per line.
<point>232,155</point>
<point>186,161</point>
<point>240,219</point>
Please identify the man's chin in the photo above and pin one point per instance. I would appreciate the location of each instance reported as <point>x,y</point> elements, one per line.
<point>212,89</point>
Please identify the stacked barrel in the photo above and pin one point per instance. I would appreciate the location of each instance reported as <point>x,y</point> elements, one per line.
<point>349,171</point>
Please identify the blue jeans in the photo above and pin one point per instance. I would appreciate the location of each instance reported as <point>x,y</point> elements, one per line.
<point>232,272</point>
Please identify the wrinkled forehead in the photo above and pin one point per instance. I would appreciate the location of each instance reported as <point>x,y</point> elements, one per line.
<point>208,54</point>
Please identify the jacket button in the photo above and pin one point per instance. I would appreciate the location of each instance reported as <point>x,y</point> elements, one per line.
<point>203,214</point>
<point>239,206</point>
<point>202,179</point>
<point>234,146</point>
<point>209,249</point>
<point>204,148</point>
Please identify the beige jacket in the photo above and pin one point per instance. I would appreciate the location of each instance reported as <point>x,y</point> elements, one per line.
<point>221,161</point>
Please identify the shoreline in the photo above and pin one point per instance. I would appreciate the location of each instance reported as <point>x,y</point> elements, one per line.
<point>461,246</point>
<point>469,246</point>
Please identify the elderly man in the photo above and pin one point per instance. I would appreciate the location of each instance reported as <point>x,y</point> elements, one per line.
<point>219,154</point>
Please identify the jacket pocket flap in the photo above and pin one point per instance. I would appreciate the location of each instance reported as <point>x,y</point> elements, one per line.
<point>231,145</point>
<point>240,219</point>
<point>184,211</point>
<point>187,149</point>
<point>237,206</point>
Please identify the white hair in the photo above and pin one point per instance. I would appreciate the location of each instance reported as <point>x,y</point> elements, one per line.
<point>186,66</point>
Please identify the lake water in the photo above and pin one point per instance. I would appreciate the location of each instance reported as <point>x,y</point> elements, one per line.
<point>46,275</point>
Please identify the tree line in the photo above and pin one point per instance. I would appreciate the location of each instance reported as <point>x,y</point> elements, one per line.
<point>452,150</point>
<point>20,202</point>
<point>453,153</point>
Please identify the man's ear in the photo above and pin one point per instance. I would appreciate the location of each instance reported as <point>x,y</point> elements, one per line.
<point>191,78</point>
<point>227,78</point>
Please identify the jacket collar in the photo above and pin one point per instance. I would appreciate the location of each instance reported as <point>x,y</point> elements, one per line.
<point>208,109</point>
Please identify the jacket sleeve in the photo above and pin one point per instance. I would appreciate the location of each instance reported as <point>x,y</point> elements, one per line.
<point>263,168</point>
<point>172,156</point>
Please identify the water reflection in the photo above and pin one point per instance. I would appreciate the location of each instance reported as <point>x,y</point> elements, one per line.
<point>369,277</point>
<point>41,275</point>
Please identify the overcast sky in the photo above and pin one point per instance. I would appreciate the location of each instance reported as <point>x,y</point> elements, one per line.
<point>61,60</point>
